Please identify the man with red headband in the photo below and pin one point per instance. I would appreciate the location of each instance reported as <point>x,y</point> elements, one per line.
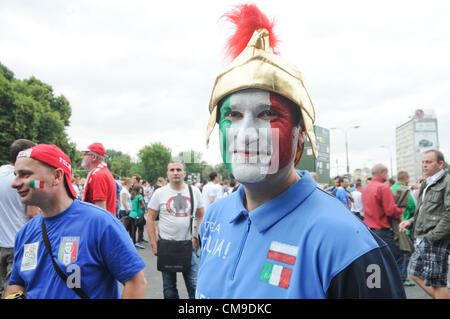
<point>73,249</point>
<point>279,235</point>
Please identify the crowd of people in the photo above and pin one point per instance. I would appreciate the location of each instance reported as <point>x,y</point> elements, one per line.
<point>129,200</point>
<point>275,235</point>
<point>350,194</point>
<point>388,207</point>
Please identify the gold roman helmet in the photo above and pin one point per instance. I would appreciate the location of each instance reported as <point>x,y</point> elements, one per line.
<point>258,67</point>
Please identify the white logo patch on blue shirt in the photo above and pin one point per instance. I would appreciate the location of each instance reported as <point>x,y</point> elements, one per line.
<point>30,256</point>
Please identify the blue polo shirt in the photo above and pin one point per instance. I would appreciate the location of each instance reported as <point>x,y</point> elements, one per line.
<point>302,244</point>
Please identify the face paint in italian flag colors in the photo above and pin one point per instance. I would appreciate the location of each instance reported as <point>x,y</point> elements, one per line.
<point>257,133</point>
<point>36,184</point>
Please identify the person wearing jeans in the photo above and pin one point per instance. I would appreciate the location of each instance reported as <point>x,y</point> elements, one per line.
<point>173,203</point>
<point>170,290</point>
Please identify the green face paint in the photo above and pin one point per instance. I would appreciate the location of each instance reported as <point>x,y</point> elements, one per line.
<point>36,184</point>
<point>224,125</point>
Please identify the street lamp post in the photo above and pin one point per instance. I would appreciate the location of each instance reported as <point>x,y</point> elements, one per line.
<point>346,142</point>
<point>390,157</point>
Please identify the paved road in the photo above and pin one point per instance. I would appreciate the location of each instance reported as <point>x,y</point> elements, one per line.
<point>153,276</point>
<point>154,280</point>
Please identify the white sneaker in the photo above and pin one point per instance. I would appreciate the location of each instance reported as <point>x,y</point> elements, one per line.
<point>139,245</point>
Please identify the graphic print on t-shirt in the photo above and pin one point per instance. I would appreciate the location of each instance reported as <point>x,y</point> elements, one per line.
<point>30,256</point>
<point>68,250</point>
<point>179,205</point>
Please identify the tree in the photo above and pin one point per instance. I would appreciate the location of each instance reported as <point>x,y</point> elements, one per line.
<point>218,168</point>
<point>223,170</point>
<point>29,109</point>
<point>119,163</point>
<point>153,161</point>
<point>193,162</point>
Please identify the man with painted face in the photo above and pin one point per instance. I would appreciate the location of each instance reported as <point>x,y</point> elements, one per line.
<point>279,235</point>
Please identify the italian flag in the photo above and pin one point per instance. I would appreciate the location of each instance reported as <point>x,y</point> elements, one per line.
<point>230,104</point>
<point>278,275</point>
<point>36,184</point>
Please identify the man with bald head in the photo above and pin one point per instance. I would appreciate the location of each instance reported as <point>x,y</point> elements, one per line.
<point>379,207</point>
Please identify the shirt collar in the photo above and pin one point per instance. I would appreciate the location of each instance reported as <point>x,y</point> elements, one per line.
<point>435,177</point>
<point>274,210</point>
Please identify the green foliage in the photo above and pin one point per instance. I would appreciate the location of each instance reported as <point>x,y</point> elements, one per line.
<point>220,169</point>
<point>29,109</point>
<point>153,161</point>
<point>119,163</point>
<point>193,162</point>
<point>7,73</point>
<point>223,170</point>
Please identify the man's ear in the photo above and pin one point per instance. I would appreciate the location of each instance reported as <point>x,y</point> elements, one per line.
<point>301,137</point>
<point>59,176</point>
<point>299,146</point>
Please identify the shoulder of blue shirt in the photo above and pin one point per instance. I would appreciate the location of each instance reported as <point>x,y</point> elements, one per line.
<point>357,268</point>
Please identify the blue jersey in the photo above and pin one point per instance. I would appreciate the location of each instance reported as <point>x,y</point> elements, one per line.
<point>302,244</point>
<point>88,243</point>
<point>341,194</point>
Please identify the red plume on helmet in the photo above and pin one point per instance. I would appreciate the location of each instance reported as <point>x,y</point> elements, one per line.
<point>247,18</point>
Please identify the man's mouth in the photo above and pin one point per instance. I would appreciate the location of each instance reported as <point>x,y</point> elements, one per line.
<point>246,153</point>
<point>23,193</point>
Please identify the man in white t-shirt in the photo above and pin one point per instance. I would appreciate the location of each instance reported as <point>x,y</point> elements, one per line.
<point>173,204</point>
<point>212,191</point>
<point>357,205</point>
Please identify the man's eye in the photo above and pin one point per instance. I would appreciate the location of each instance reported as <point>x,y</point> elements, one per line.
<point>268,115</point>
<point>233,115</point>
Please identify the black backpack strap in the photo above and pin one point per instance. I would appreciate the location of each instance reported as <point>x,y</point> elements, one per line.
<point>58,270</point>
<point>192,208</point>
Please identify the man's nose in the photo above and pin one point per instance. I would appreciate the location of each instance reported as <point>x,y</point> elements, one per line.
<point>247,136</point>
<point>15,184</point>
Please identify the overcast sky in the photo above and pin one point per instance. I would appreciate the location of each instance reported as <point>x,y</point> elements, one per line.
<point>138,72</point>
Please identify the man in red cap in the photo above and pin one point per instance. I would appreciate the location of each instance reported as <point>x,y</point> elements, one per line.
<point>72,249</point>
<point>100,188</point>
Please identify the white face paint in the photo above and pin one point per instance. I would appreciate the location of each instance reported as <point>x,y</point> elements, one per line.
<point>249,138</point>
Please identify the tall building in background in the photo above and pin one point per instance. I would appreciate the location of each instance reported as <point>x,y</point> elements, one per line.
<point>413,138</point>
<point>321,165</point>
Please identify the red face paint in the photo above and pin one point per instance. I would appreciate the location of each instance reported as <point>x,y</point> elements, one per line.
<point>284,125</point>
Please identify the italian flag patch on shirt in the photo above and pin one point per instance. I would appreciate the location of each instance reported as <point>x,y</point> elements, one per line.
<point>275,274</point>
